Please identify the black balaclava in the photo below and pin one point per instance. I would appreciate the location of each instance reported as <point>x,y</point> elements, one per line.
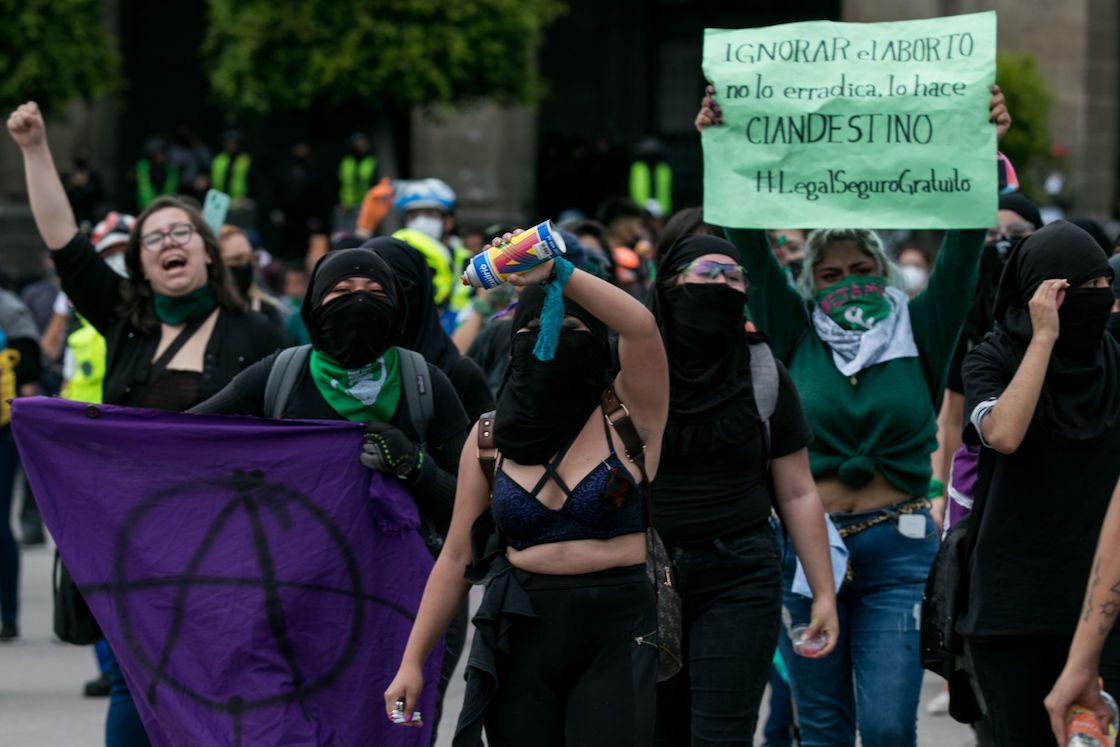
<point>703,325</point>
<point>357,328</point>
<point>242,278</point>
<point>544,404</point>
<point>1114,317</point>
<point>993,257</point>
<point>1081,395</point>
<point>421,330</point>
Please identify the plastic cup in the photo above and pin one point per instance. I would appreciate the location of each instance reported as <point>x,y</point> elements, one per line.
<point>807,647</point>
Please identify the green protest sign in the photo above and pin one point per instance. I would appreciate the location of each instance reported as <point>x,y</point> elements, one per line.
<point>853,125</point>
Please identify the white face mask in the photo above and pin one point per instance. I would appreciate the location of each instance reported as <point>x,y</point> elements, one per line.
<point>116,264</point>
<point>427,225</point>
<point>915,278</point>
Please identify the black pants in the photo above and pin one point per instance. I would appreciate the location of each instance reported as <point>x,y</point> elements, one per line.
<point>731,595</point>
<point>1013,674</point>
<point>577,675</point>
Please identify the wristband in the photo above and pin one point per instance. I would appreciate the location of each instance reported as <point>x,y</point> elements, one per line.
<point>552,314</point>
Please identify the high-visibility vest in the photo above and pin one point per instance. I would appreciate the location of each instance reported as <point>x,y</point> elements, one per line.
<point>658,185</point>
<point>438,258</point>
<point>86,347</point>
<point>238,185</point>
<point>146,191</point>
<point>354,180</point>
<point>460,294</point>
<point>9,359</point>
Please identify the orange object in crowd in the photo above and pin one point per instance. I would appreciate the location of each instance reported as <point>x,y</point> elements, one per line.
<point>376,205</point>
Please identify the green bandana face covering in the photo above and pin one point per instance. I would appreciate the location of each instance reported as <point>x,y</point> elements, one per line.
<point>855,303</point>
<point>365,394</point>
<point>179,309</point>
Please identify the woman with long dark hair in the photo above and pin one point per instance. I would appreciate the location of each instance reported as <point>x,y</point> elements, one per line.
<point>175,328</point>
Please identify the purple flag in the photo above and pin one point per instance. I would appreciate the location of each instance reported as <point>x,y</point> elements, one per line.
<point>255,581</point>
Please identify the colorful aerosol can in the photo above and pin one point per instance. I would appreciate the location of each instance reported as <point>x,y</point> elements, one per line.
<point>1085,731</point>
<point>524,251</point>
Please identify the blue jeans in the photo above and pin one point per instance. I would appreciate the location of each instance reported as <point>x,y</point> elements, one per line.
<point>123,727</point>
<point>731,607</point>
<point>873,677</point>
<point>778,731</point>
<point>9,551</point>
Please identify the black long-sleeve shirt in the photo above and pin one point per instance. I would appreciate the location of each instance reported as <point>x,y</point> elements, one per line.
<point>433,487</point>
<point>238,340</point>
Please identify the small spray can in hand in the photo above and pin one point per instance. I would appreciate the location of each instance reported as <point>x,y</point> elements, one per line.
<point>1085,731</point>
<point>524,251</point>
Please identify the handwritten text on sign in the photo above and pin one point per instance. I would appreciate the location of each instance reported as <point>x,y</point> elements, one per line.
<point>826,124</point>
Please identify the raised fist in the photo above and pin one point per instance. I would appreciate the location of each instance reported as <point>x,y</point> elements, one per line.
<point>26,127</point>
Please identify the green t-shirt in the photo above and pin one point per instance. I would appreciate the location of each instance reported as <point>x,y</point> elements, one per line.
<point>883,419</point>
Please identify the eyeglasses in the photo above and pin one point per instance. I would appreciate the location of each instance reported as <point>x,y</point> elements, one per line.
<point>709,271</point>
<point>180,234</point>
<point>1011,231</point>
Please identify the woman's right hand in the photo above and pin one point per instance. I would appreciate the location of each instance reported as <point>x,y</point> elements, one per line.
<point>1044,307</point>
<point>710,113</point>
<point>406,686</point>
<point>1075,686</point>
<point>26,126</point>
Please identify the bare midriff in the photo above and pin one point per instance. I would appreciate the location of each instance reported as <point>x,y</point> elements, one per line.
<point>836,497</point>
<point>580,556</point>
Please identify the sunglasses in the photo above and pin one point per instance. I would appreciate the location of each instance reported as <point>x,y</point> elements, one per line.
<point>709,271</point>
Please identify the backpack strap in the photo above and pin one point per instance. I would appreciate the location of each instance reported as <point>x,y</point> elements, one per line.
<point>282,379</point>
<point>416,381</point>
<point>487,450</point>
<point>764,382</point>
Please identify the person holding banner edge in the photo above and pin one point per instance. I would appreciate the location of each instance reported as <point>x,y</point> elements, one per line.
<point>864,364</point>
<point>175,328</point>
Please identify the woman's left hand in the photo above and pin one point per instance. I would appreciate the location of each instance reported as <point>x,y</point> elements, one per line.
<point>824,621</point>
<point>998,114</point>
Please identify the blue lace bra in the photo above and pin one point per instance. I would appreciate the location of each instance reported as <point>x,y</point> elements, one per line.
<point>606,503</point>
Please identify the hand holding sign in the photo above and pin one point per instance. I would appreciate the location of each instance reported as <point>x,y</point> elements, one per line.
<point>852,125</point>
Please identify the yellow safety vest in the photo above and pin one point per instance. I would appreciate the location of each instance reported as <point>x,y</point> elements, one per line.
<point>437,257</point>
<point>87,349</point>
<point>9,359</point>
<point>146,191</point>
<point>658,185</point>
<point>354,180</point>
<point>238,186</point>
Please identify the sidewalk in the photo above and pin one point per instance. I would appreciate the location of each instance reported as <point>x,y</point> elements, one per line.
<point>41,703</point>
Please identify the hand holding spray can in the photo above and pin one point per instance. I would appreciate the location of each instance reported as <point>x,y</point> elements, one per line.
<point>524,251</point>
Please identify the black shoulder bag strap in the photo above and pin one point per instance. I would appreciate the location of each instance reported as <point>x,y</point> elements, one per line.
<point>160,364</point>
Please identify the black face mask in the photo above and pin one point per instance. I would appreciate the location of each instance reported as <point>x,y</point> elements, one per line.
<point>1082,319</point>
<point>994,256</point>
<point>545,404</point>
<point>355,329</point>
<point>703,318</point>
<point>243,278</point>
<point>1114,325</point>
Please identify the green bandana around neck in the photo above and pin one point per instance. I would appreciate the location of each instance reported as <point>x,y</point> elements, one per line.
<point>178,309</point>
<point>857,302</point>
<point>364,395</point>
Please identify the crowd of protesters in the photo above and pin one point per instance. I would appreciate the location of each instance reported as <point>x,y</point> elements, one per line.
<point>792,411</point>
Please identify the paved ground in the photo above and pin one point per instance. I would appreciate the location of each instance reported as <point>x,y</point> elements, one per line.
<point>40,682</point>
